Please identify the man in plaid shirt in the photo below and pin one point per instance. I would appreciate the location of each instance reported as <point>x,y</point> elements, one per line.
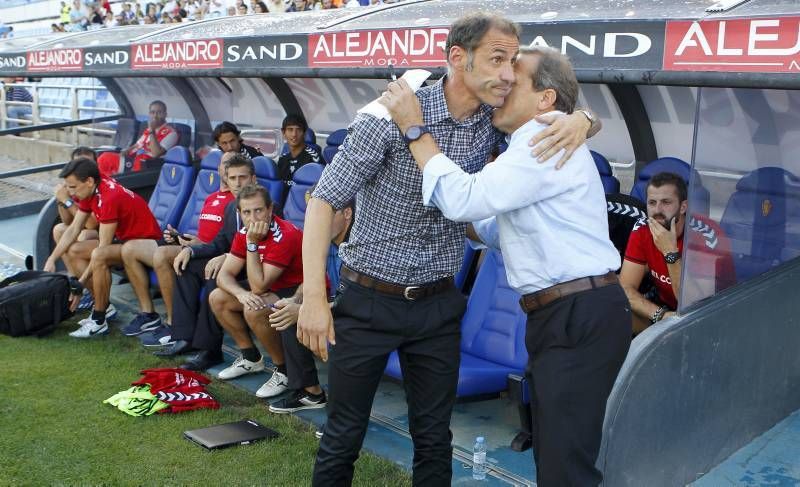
<point>397,291</point>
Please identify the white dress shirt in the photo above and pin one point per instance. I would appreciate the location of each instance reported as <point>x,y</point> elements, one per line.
<point>551,226</point>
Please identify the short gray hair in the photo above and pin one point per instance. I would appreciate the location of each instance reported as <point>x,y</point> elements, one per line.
<point>468,31</point>
<point>554,72</point>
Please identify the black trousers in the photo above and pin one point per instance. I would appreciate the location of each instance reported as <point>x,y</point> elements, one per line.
<point>300,366</point>
<point>426,333</point>
<point>576,346</point>
<point>192,318</point>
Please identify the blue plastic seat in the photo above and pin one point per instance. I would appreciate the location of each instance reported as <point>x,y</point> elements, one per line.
<point>470,256</point>
<point>206,183</point>
<point>294,210</point>
<point>335,140</point>
<point>184,133</point>
<point>492,334</point>
<point>267,176</point>
<point>701,198</point>
<point>762,221</point>
<point>173,187</point>
<point>610,183</point>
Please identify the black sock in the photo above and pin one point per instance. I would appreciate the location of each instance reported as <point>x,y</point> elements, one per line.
<point>281,368</point>
<point>99,316</point>
<point>252,354</point>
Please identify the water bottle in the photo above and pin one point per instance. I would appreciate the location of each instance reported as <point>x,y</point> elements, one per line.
<point>479,459</point>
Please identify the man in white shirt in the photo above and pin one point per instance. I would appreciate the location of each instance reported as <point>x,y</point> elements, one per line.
<point>551,225</point>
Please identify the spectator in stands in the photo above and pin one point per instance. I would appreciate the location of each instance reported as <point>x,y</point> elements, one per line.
<point>149,19</point>
<point>300,366</point>
<point>57,28</point>
<point>110,20</point>
<point>231,11</point>
<point>241,9</point>
<point>400,258</point>
<point>300,6</point>
<point>96,17</point>
<point>567,264</point>
<point>228,138</point>
<point>155,141</point>
<point>294,129</point>
<point>122,214</point>
<point>275,6</point>
<point>217,8</point>
<point>77,17</point>
<point>64,15</point>
<point>326,5</point>
<point>260,8</point>
<point>196,267</point>
<point>20,95</point>
<point>269,250</point>
<point>127,13</point>
<point>138,255</point>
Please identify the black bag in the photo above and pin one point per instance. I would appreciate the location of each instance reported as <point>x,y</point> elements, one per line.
<point>33,303</point>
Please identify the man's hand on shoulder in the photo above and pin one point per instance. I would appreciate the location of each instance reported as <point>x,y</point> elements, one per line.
<point>403,105</point>
<point>566,132</point>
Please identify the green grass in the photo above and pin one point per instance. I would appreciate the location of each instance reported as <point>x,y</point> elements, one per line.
<point>54,428</point>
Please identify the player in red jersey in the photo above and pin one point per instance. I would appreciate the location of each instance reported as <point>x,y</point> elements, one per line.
<point>122,214</point>
<point>656,248</point>
<point>269,250</point>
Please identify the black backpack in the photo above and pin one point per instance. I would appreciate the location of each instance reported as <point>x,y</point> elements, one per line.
<point>33,303</point>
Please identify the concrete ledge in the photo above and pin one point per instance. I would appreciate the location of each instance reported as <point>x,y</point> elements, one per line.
<point>34,151</point>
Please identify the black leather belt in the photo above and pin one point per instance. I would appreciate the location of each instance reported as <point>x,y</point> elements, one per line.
<point>411,293</point>
<point>533,301</point>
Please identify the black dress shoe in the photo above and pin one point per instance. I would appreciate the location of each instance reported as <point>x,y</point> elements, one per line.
<point>177,348</point>
<point>203,361</point>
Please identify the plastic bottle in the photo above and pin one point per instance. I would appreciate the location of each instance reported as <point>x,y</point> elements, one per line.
<point>479,459</point>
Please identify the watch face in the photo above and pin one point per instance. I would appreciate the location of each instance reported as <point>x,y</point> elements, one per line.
<point>414,132</point>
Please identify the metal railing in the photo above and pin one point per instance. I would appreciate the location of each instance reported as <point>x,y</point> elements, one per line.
<point>74,107</point>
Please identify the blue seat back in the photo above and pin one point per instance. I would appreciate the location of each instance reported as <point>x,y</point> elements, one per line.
<point>206,183</point>
<point>610,183</point>
<point>294,210</point>
<point>493,327</point>
<point>701,198</point>
<point>184,134</point>
<point>310,138</point>
<point>267,176</point>
<point>762,221</point>
<point>335,140</point>
<point>173,187</point>
<point>470,254</point>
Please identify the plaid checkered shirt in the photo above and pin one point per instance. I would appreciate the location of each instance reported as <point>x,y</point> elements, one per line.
<point>394,237</point>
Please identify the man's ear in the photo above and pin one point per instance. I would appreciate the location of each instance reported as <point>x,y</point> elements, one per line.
<point>684,207</point>
<point>457,58</point>
<point>548,99</point>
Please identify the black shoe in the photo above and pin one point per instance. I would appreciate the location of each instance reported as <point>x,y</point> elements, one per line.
<point>203,360</point>
<point>177,348</point>
<point>299,401</point>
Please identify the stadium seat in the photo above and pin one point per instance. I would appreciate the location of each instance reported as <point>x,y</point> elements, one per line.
<point>610,183</point>
<point>762,221</point>
<point>184,133</point>
<point>332,144</point>
<point>492,334</point>
<point>310,138</point>
<point>207,182</point>
<point>467,263</point>
<point>294,210</point>
<point>674,165</point>
<point>267,176</point>
<point>173,187</point>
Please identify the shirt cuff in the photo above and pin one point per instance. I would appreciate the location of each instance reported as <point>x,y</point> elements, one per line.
<point>438,166</point>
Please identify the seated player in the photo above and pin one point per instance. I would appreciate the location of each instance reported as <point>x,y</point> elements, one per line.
<point>294,129</point>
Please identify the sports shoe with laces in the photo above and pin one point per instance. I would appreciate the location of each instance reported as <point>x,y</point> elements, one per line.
<point>276,384</point>
<point>90,329</point>
<point>87,300</point>
<point>299,401</point>
<point>160,337</point>
<point>141,323</point>
<point>240,367</point>
<point>111,311</point>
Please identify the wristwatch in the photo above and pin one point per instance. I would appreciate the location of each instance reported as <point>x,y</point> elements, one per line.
<point>414,132</point>
<point>68,203</point>
<point>672,257</point>
<point>657,315</point>
<point>251,247</point>
<point>589,115</point>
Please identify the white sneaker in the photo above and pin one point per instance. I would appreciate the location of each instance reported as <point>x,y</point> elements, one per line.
<point>240,367</point>
<point>90,329</point>
<point>111,312</point>
<point>276,384</point>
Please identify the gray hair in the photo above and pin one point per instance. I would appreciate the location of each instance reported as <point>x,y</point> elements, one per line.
<point>554,72</point>
<point>468,31</point>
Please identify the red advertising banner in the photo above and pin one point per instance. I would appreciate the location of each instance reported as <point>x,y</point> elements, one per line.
<point>367,48</point>
<point>736,45</point>
<point>197,54</point>
<point>56,60</point>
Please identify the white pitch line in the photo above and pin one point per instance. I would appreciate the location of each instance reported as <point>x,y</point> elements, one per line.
<point>12,251</point>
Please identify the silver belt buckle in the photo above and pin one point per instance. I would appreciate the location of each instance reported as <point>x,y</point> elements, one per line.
<point>408,290</point>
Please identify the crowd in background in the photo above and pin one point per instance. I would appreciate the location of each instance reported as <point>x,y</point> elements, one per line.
<point>91,14</point>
